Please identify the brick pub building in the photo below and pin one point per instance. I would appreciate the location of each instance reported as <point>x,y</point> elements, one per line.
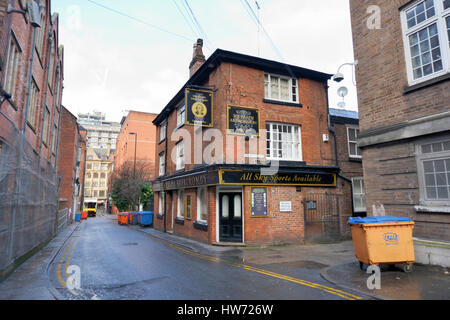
<point>215,137</point>
<point>403,80</point>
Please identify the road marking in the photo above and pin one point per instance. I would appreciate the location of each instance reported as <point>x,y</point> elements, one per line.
<point>71,246</point>
<point>337,292</point>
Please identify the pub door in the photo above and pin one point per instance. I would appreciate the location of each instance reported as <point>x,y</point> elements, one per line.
<point>230,217</point>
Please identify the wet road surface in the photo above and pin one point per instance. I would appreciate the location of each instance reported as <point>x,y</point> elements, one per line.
<point>117,262</point>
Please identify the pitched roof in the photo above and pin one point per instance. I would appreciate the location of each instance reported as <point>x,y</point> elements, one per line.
<point>220,56</point>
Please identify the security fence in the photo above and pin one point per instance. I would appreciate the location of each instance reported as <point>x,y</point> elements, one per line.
<point>29,190</point>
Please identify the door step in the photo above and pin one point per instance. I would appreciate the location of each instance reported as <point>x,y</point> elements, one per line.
<point>229,244</point>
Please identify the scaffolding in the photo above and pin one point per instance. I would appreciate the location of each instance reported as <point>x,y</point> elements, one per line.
<point>29,192</point>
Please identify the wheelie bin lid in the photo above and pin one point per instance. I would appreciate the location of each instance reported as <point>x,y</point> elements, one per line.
<point>385,219</point>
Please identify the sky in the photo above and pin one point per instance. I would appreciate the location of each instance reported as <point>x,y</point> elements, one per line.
<point>136,56</point>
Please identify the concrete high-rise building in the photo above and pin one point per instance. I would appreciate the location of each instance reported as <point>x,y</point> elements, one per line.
<point>102,134</point>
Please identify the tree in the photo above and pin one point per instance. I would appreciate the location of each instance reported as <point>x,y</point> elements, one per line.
<point>129,188</point>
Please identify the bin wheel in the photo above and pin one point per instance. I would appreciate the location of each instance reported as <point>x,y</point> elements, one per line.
<point>407,267</point>
<point>361,265</point>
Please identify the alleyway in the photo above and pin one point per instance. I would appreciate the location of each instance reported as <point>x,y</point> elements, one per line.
<point>121,263</point>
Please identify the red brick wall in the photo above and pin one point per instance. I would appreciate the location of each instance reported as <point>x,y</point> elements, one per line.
<point>381,72</point>
<point>349,168</point>
<point>141,123</point>
<point>67,157</point>
<point>16,110</point>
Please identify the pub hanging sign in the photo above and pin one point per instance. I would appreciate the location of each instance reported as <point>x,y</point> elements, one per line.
<point>199,107</point>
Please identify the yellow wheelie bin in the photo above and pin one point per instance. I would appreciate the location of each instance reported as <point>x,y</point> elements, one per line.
<point>383,240</point>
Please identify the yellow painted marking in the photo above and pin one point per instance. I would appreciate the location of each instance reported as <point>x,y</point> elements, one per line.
<point>340,293</point>
<point>71,246</point>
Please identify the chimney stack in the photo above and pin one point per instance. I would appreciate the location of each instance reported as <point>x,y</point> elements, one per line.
<point>198,57</point>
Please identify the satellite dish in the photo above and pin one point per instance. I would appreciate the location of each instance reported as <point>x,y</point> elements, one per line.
<point>342,92</point>
<point>341,104</point>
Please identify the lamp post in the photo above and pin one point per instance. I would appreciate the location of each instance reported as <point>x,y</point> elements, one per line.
<point>135,147</point>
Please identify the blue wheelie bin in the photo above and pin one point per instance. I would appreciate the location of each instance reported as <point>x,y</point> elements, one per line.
<point>145,218</point>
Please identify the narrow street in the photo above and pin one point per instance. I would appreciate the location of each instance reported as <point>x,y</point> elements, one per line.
<point>118,262</point>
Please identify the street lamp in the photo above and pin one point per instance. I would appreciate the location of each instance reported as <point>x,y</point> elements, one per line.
<point>135,147</point>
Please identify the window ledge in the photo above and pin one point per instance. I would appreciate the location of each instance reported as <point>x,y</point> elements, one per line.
<point>201,225</point>
<point>353,159</point>
<point>283,103</point>
<point>432,209</point>
<point>427,83</point>
<point>179,127</point>
<point>179,220</point>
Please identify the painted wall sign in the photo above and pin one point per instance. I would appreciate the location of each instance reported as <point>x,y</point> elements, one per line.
<point>260,201</point>
<point>199,107</point>
<point>242,121</point>
<point>285,179</point>
<point>285,206</point>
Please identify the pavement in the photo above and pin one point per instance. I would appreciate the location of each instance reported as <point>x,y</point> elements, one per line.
<point>335,262</point>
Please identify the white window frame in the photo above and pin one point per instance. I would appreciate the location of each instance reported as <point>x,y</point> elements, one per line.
<point>180,155</point>
<point>180,204</point>
<point>202,204</point>
<point>33,105</point>
<point>420,159</point>
<point>162,132</point>
<point>270,156</point>
<point>12,66</point>
<point>353,141</point>
<point>439,19</point>
<point>45,126</point>
<point>162,165</point>
<point>291,87</point>
<point>355,195</point>
<point>181,116</point>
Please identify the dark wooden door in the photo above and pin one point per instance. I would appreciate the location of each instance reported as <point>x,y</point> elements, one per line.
<point>230,217</point>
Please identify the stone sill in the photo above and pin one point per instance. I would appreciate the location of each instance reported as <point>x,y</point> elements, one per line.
<point>201,226</point>
<point>179,220</point>
<point>432,209</point>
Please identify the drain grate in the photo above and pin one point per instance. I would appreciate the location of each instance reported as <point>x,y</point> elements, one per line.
<point>130,244</point>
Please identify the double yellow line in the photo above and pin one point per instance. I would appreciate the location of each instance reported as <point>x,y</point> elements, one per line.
<point>340,293</point>
<point>71,248</point>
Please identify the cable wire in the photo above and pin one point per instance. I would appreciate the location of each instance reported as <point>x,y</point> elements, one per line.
<point>140,21</point>
<point>186,19</point>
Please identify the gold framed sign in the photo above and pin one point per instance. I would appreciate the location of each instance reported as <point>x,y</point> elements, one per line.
<point>243,121</point>
<point>199,107</point>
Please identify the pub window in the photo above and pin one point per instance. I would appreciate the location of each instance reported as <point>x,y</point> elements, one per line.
<point>359,195</point>
<point>180,155</point>
<point>284,142</point>
<point>188,207</point>
<point>280,88</point>
<point>162,132</point>
<point>181,116</point>
<point>434,171</point>
<point>352,137</point>
<point>202,204</point>
<point>162,166</point>
<point>180,204</point>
